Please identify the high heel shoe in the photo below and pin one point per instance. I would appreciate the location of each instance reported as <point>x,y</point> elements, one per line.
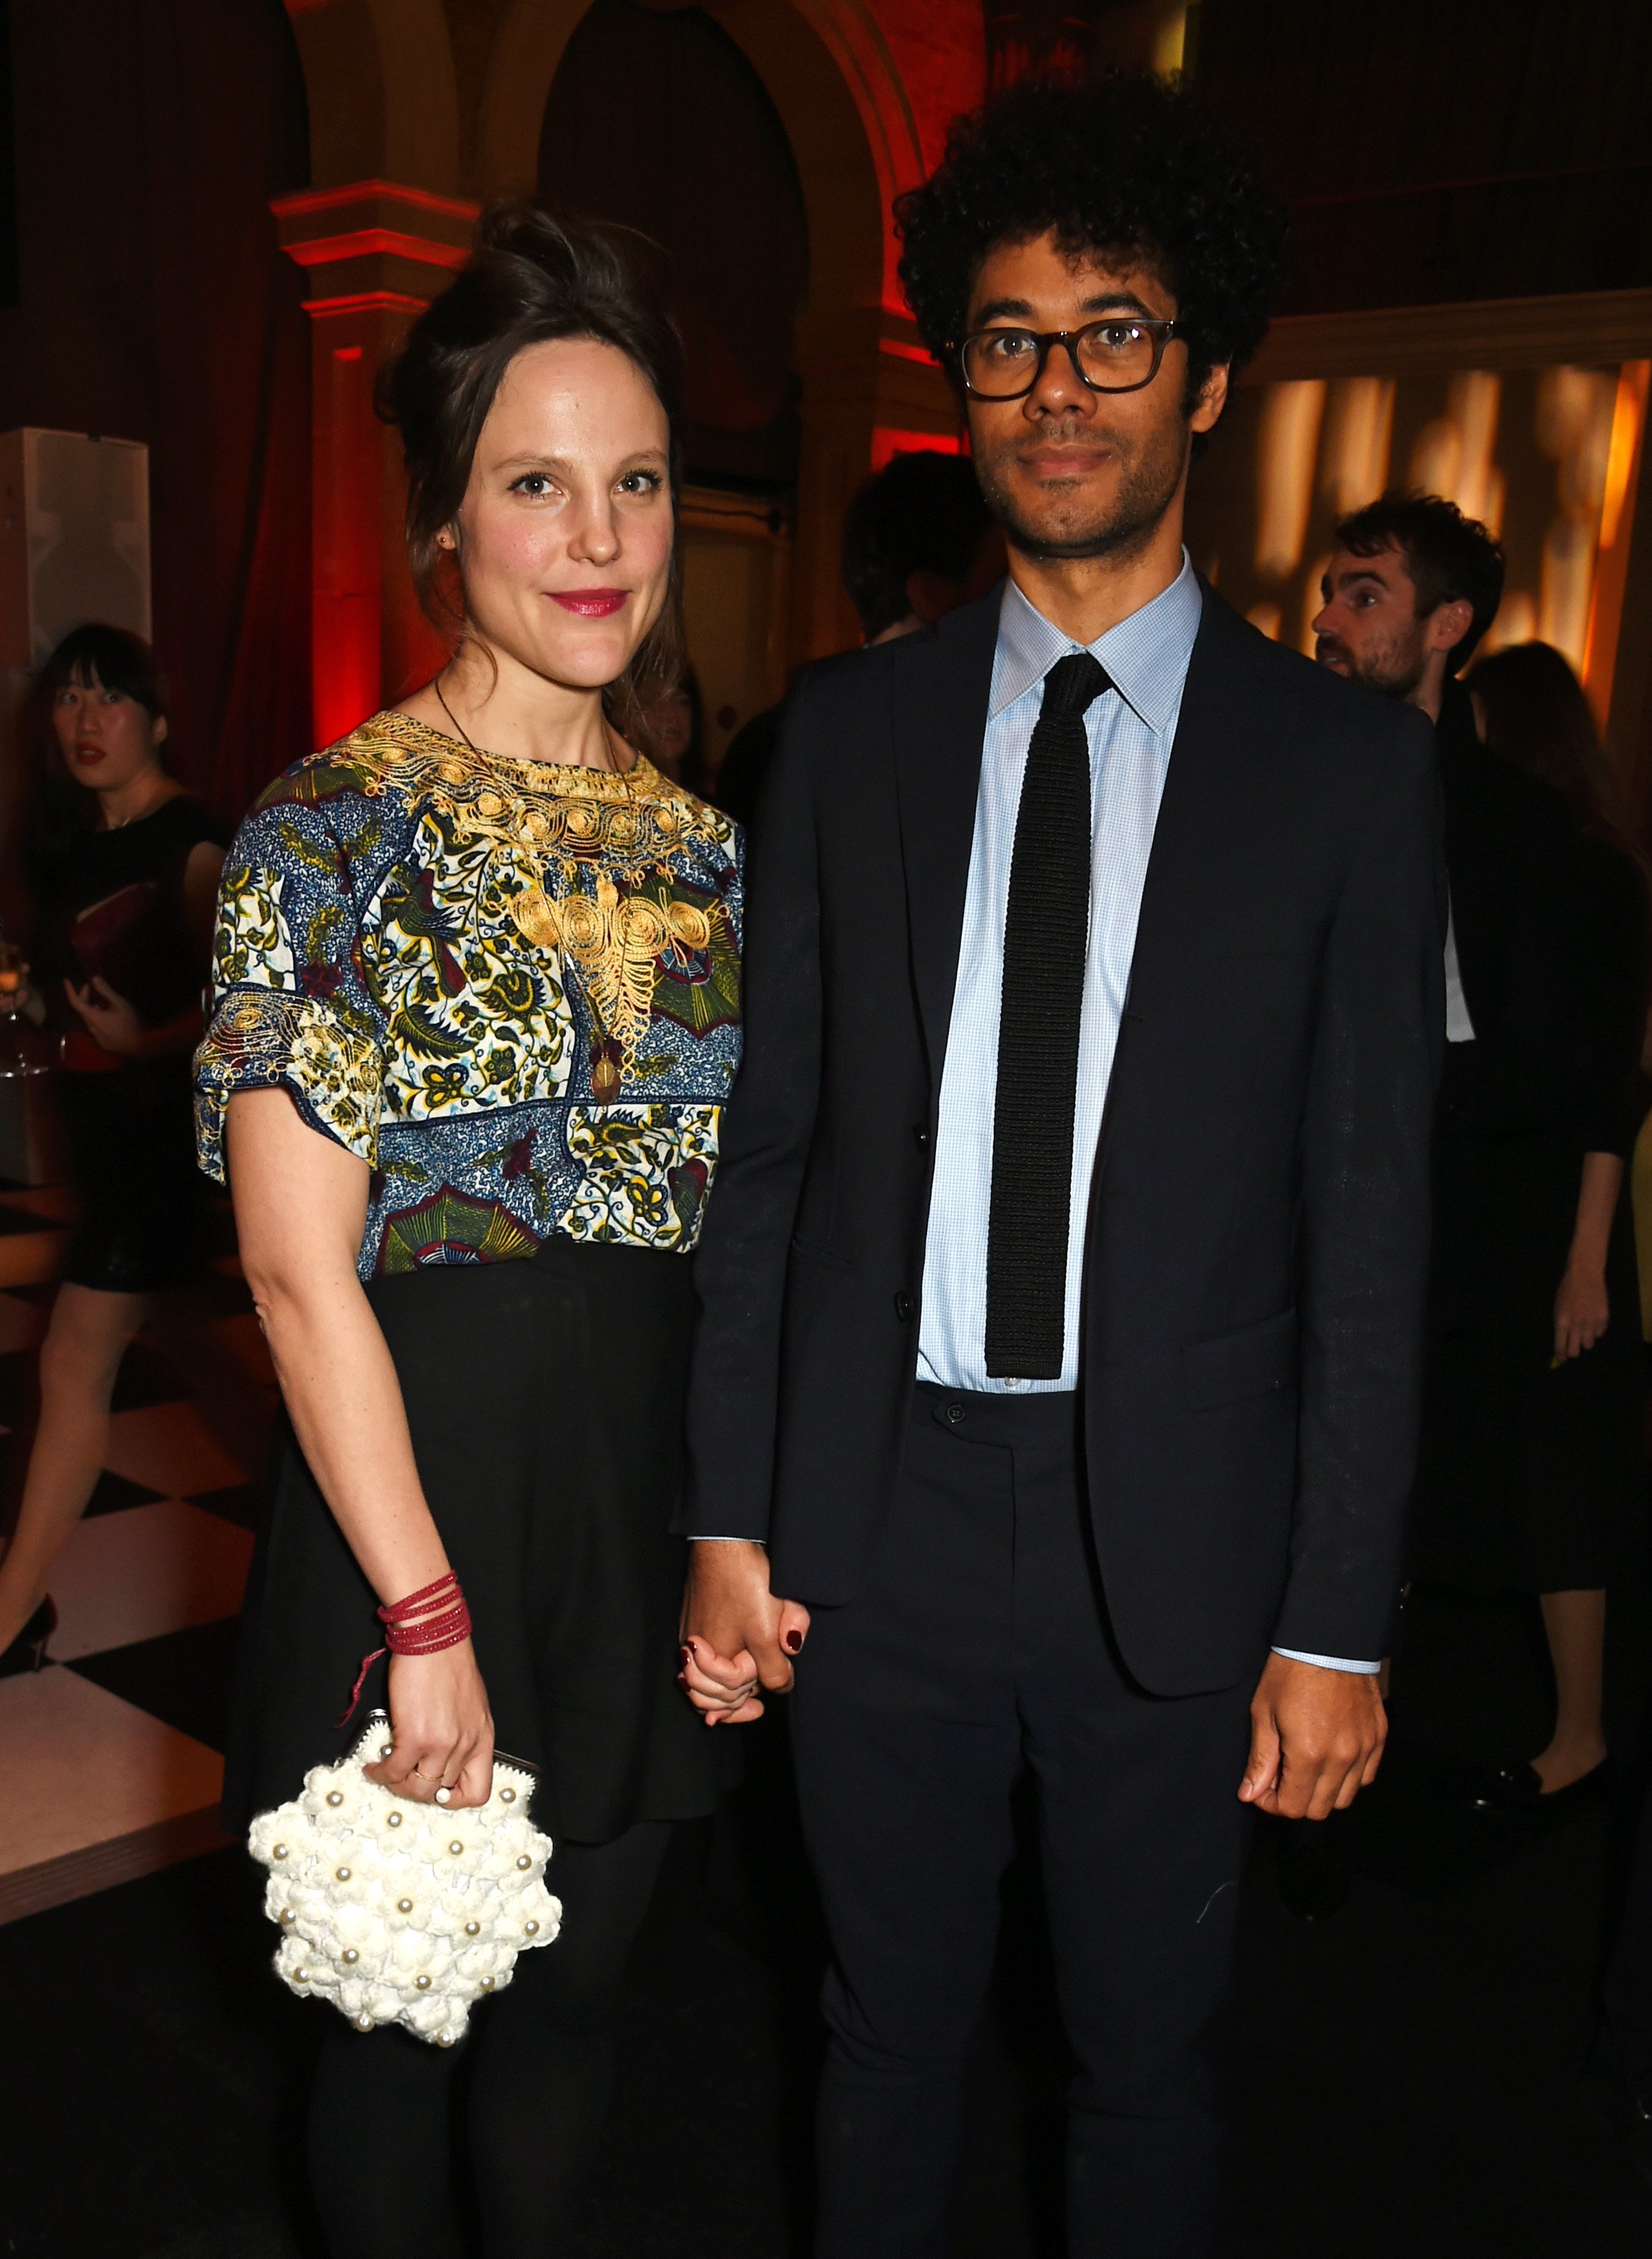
<point>1519,1788</point>
<point>27,1651</point>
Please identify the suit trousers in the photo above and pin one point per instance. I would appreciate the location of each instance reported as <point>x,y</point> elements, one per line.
<point>977,1648</point>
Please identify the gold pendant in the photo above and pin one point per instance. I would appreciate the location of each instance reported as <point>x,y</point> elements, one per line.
<point>605,1070</point>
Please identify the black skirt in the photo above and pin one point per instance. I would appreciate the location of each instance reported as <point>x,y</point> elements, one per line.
<point>1531,1477</point>
<point>545,1401</point>
<point>143,1201</point>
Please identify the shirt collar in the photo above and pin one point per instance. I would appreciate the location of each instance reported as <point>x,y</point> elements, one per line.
<point>1145,656</point>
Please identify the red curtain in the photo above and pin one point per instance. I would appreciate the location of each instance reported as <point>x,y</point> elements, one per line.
<point>154,305</point>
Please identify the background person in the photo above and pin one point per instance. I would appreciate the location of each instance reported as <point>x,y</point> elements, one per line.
<point>1049,1442</point>
<point>1544,1020</point>
<point>477,1010</point>
<point>675,727</point>
<point>124,865</point>
<point>1583,1455</point>
<point>918,540</point>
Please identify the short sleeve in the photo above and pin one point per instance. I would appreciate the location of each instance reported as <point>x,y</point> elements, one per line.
<point>291,1005</point>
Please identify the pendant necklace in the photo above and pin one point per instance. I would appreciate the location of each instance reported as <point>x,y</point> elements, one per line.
<point>613,769</point>
<point>436,685</point>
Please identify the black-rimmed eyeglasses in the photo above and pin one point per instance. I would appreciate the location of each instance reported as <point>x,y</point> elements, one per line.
<point>1119,354</point>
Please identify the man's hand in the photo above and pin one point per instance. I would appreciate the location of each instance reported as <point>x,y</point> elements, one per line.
<point>1316,1739</point>
<point>736,1635</point>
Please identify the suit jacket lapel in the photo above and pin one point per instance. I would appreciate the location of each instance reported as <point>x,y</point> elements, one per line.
<point>940,691</point>
<point>1194,838</point>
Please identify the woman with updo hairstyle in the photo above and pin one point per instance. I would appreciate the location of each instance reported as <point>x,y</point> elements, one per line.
<point>476,1013</point>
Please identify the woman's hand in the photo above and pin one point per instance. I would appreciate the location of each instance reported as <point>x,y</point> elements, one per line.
<point>1582,1309</point>
<point>112,1024</point>
<point>441,1729</point>
<point>737,1638</point>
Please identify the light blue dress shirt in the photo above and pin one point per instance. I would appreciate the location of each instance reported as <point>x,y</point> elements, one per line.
<point>1130,730</point>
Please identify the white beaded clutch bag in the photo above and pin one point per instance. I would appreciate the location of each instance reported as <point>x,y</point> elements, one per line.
<point>403,1913</point>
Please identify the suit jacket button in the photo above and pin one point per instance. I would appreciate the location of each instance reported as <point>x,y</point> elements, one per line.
<point>903,1305</point>
<point>920,1134</point>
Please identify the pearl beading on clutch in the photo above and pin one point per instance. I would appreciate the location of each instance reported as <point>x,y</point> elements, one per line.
<point>398,1912</point>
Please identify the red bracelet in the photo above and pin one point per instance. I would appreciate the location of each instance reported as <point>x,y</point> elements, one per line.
<point>428,1620</point>
<point>424,1623</point>
<point>427,1596</point>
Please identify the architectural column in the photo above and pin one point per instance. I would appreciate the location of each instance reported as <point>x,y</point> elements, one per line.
<point>375,253</point>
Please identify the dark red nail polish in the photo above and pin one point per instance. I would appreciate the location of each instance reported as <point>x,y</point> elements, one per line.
<point>793,1642</point>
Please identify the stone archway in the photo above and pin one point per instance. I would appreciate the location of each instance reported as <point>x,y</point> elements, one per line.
<point>864,89</point>
<point>383,105</point>
<point>855,131</point>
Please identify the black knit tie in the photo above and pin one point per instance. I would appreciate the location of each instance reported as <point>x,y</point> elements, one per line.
<point>1046,939</point>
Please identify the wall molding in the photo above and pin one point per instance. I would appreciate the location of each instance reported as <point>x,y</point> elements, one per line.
<point>1587,326</point>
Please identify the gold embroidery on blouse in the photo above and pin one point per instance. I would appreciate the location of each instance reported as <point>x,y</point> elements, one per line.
<point>632,822</point>
<point>262,1035</point>
<point>616,940</point>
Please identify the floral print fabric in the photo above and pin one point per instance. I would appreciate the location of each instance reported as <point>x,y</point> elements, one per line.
<point>513,989</point>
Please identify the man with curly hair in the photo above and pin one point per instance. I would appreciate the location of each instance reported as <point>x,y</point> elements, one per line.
<point>1062,1290</point>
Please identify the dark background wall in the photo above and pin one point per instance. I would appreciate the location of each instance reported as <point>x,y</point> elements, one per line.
<point>1438,150</point>
<point>151,304</point>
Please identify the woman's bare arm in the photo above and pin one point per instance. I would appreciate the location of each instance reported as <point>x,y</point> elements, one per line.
<point>1583,1309</point>
<point>300,1202</point>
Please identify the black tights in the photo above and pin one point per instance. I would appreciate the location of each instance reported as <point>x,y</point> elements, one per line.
<point>535,2076</point>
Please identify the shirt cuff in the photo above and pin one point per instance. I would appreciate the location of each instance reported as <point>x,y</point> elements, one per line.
<point>1329,1662</point>
<point>716,1538</point>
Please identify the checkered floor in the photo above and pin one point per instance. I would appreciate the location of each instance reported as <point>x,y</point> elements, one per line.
<point>110,1758</point>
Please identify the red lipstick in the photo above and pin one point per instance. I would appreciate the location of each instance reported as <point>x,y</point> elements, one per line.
<point>590,604</point>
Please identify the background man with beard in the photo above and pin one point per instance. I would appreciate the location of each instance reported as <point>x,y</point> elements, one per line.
<point>1050,1436</point>
<point>1530,1457</point>
<point>1411,586</point>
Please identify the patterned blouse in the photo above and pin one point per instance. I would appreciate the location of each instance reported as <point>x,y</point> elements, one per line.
<point>512,989</point>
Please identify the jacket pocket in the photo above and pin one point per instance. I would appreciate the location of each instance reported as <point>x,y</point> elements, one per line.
<point>812,1251</point>
<point>1225,1368</point>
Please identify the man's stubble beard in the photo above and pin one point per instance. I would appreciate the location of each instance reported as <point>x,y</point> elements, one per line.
<point>1391,672</point>
<point>1124,526</point>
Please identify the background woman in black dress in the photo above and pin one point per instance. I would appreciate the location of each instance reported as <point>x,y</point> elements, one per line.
<point>1579,1414</point>
<point>125,867</point>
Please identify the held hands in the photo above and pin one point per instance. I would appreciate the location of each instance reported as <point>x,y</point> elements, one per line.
<point>111,1021</point>
<point>1582,1310</point>
<point>736,1635</point>
<point>441,1729</point>
<point>1316,1739</point>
